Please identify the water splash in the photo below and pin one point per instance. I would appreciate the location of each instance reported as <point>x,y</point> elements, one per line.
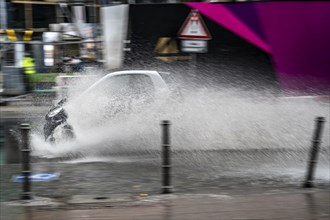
<point>205,118</point>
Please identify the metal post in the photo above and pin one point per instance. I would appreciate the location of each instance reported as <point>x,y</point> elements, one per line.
<point>314,152</point>
<point>3,15</point>
<point>28,16</point>
<point>26,172</point>
<point>166,166</point>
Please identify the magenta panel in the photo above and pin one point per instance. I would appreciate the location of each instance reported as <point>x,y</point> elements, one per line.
<point>296,34</point>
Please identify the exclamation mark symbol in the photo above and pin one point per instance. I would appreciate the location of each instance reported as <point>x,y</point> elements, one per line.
<point>194,24</point>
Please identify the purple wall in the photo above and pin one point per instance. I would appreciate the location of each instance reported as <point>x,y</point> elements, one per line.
<point>295,34</point>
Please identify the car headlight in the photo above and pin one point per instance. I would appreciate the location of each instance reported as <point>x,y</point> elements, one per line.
<point>55,111</point>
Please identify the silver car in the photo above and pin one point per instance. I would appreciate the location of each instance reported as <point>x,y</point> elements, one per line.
<point>115,95</point>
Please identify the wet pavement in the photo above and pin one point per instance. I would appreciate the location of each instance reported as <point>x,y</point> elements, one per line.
<point>224,172</point>
<point>308,205</point>
<point>207,185</point>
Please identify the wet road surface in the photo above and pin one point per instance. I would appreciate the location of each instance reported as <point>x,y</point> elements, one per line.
<point>216,172</point>
<point>208,184</point>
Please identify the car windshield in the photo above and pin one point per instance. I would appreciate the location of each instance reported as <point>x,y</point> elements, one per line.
<point>133,86</point>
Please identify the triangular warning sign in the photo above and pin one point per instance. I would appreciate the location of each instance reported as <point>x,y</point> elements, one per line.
<point>194,28</point>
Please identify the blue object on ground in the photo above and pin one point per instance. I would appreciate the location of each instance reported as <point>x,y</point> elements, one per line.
<point>38,177</point>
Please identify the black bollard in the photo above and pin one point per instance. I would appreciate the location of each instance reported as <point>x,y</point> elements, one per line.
<point>26,172</point>
<point>166,150</point>
<point>314,152</point>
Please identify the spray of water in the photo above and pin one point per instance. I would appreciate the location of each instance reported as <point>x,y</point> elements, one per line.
<point>203,118</point>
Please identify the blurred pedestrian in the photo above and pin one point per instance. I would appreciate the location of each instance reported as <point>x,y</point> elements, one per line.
<point>29,72</point>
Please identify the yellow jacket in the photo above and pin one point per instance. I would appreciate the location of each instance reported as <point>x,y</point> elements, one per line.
<point>28,65</point>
